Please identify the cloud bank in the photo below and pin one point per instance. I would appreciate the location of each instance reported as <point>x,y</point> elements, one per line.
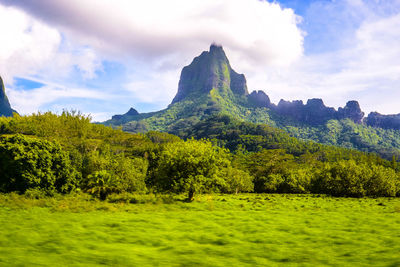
<point>337,50</point>
<point>67,40</point>
<point>363,66</point>
<point>255,30</point>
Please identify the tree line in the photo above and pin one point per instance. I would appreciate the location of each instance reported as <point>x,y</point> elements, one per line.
<point>64,153</point>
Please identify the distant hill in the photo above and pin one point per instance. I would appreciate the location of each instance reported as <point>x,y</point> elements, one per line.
<point>209,87</point>
<point>5,107</point>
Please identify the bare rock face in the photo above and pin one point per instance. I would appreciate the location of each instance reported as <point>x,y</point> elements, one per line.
<point>259,99</point>
<point>376,119</point>
<point>316,113</point>
<point>293,109</point>
<point>5,107</point>
<point>352,111</point>
<point>211,70</point>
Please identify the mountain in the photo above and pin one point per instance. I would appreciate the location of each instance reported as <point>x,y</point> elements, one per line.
<point>316,113</point>
<point>210,71</point>
<point>376,119</point>
<point>209,87</point>
<point>131,112</point>
<point>5,107</point>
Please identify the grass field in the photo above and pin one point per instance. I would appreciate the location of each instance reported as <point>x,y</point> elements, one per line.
<point>218,230</point>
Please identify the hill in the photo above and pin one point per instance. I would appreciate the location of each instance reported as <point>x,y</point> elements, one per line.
<point>209,87</point>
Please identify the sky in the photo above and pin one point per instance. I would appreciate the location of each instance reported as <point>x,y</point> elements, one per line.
<point>102,57</point>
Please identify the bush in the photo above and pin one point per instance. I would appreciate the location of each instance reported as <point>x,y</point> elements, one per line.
<point>106,174</point>
<point>348,178</point>
<point>27,163</point>
<point>102,183</point>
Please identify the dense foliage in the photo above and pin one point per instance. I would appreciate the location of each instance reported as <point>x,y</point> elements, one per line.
<point>198,166</point>
<point>180,118</point>
<point>30,163</point>
<point>64,153</point>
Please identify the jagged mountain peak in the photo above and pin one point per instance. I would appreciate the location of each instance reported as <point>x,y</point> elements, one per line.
<point>211,70</point>
<point>216,48</point>
<point>131,112</point>
<point>352,111</point>
<point>259,99</point>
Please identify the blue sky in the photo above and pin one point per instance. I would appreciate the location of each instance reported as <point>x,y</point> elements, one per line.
<point>102,57</point>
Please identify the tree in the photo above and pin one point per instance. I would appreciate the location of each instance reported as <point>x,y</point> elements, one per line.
<point>238,181</point>
<point>269,167</point>
<point>101,184</point>
<point>192,167</point>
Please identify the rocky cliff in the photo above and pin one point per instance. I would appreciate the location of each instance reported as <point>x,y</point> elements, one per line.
<point>211,70</point>
<point>259,99</point>
<point>5,107</point>
<point>376,119</point>
<point>352,111</point>
<point>315,112</point>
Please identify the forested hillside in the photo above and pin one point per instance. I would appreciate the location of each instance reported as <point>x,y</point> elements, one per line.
<point>45,154</point>
<point>210,87</point>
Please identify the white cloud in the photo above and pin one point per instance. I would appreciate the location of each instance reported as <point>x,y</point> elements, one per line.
<point>154,39</point>
<point>366,68</point>
<point>156,36</point>
<point>254,30</point>
<point>30,47</point>
<point>26,45</point>
<point>30,101</point>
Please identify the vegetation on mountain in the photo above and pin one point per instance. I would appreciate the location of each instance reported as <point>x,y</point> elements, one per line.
<point>223,140</point>
<point>66,153</point>
<point>209,87</point>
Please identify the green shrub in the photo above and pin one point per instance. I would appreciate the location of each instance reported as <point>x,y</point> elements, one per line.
<point>35,193</point>
<point>27,163</point>
<point>102,183</point>
<point>349,178</point>
<point>105,173</point>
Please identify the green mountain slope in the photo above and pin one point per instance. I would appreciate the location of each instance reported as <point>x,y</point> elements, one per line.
<point>209,87</point>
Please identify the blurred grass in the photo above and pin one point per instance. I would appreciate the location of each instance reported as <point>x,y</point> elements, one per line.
<point>215,230</point>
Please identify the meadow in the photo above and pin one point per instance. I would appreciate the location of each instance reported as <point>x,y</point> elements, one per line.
<point>213,230</point>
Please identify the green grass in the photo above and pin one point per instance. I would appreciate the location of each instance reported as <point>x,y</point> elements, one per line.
<point>219,230</point>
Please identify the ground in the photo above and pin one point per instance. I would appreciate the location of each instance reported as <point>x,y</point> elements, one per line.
<point>214,230</point>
